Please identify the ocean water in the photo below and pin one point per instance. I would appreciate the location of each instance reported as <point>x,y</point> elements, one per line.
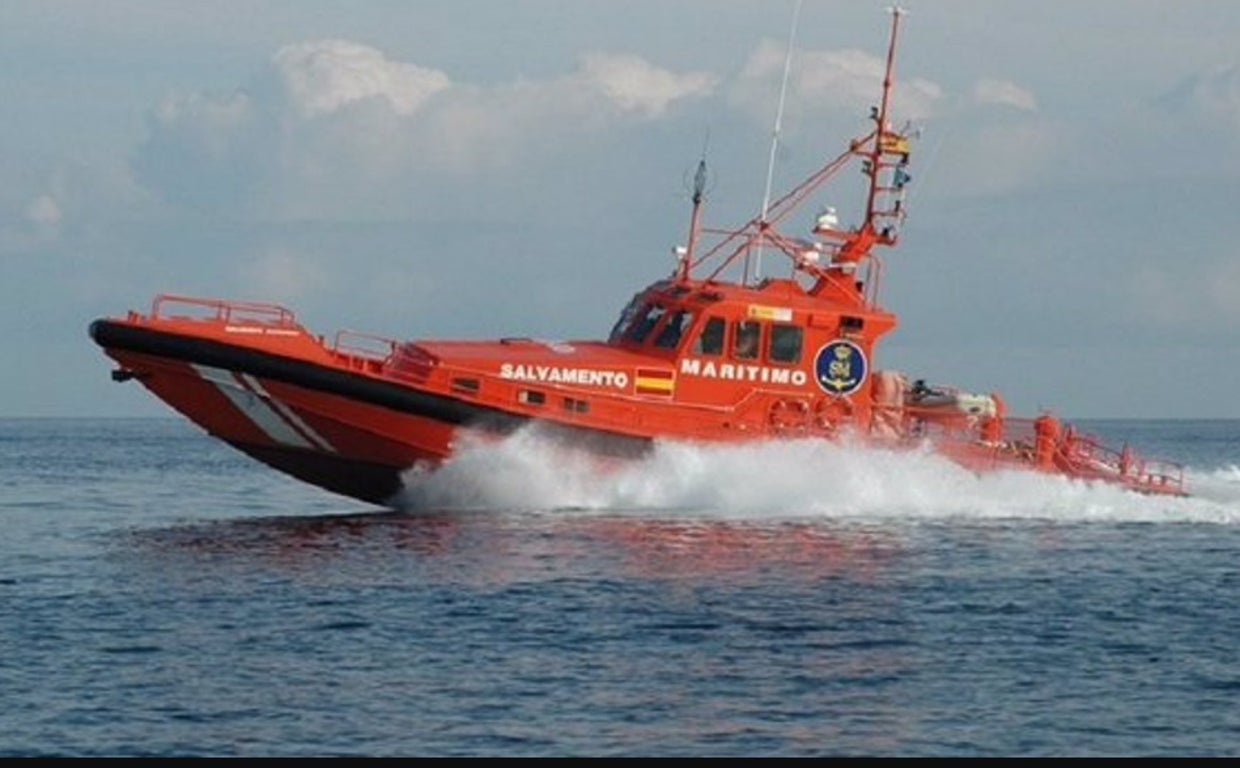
<point>163,595</point>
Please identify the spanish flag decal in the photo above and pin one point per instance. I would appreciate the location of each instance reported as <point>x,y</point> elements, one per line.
<point>652,381</point>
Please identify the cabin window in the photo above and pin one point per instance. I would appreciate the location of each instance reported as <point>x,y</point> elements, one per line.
<point>573,405</point>
<point>674,329</point>
<point>531,397</point>
<point>644,323</point>
<point>785,343</point>
<point>626,317</point>
<point>746,339</point>
<point>470,386</point>
<point>710,340</point>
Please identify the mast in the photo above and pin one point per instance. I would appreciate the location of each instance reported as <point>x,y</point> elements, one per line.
<point>884,162</point>
<point>763,225</point>
<point>832,260</point>
<point>699,188</point>
<point>885,140</point>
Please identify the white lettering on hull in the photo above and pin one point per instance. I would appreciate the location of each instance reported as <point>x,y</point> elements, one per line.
<point>550,374</point>
<point>760,374</point>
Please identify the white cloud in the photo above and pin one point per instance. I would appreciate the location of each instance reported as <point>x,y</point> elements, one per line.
<point>44,211</point>
<point>323,76</point>
<point>1223,289</point>
<point>847,80</point>
<point>37,226</point>
<point>1203,296</point>
<point>634,84</point>
<point>988,158</point>
<point>1004,93</point>
<point>203,150</point>
<point>335,124</point>
<point>214,116</point>
<point>1210,96</point>
<point>283,276</point>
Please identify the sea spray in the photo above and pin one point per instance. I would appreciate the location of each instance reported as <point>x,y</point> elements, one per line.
<point>787,479</point>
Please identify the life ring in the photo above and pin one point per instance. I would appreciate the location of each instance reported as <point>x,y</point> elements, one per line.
<point>788,415</point>
<point>831,412</point>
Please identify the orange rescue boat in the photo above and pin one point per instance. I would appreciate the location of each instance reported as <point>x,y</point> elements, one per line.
<point>696,356</point>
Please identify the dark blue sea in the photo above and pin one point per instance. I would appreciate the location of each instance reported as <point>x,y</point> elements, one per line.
<point>163,595</point>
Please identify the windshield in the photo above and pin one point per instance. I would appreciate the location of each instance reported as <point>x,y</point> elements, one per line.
<point>626,317</point>
<point>644,322</point>
<point>674,329</point>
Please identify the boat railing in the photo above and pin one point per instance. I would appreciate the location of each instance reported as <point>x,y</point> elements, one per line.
<point>1080,454</point>
<point>1087,454</point>
<point>168,306</point>
<point>366,345</point>
<point>364,351</point>
<point>1162,474</point>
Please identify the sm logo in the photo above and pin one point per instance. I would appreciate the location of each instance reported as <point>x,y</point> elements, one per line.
<point>840,367</point>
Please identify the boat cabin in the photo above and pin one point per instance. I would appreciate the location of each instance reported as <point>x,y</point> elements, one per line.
<point>808,354</point>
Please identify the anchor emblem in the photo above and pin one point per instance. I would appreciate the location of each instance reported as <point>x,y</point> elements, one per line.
<point>840,367</point>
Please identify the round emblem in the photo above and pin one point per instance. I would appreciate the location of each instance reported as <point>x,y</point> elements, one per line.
<point>840,367</point>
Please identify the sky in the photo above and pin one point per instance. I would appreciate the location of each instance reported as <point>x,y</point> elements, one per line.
<point>488,168</point>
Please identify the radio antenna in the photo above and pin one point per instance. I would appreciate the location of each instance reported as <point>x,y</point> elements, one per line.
<point>770,165</point>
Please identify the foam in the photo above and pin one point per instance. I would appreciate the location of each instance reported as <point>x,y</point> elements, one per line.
<point>789,480</point>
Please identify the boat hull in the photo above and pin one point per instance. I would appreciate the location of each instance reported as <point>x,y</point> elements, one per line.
<point>343,431</point>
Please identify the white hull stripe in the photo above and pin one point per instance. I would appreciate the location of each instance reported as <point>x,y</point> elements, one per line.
<point>274,418</point>
<point>290,416</point>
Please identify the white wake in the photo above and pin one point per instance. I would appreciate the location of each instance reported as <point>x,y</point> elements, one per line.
<point>790,479</point>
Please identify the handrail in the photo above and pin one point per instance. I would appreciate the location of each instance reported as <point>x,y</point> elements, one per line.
<point>1087,453</point>
<point>1075,453</point>
<point>355,343</point>
<point>223,310</point>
